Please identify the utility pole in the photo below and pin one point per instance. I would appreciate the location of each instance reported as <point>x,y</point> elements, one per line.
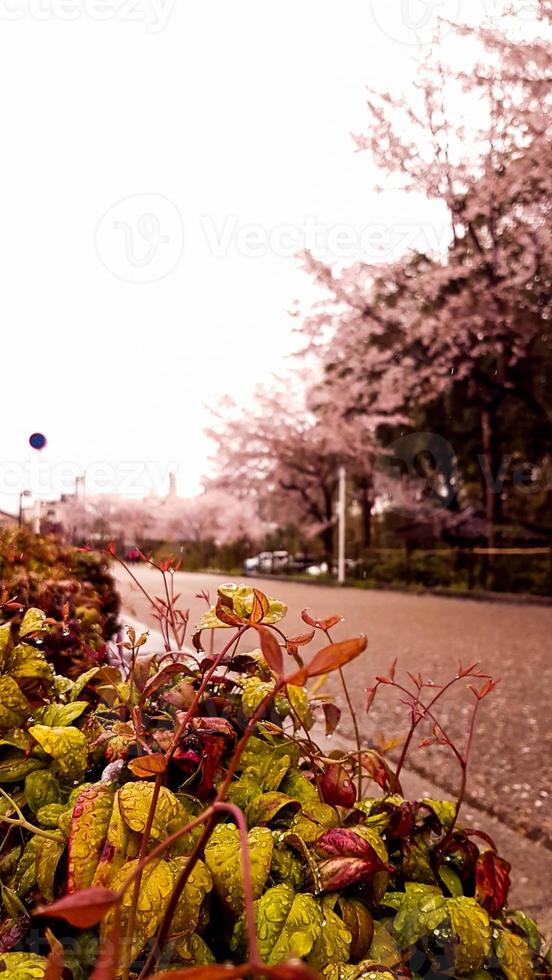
<point>341,529</point>
<point>23,493</point>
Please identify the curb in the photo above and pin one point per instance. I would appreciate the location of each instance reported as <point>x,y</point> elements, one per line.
<point>508,598</point>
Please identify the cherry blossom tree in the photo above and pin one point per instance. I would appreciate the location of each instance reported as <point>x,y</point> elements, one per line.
<point>279,455</point>
<point>395,337</point>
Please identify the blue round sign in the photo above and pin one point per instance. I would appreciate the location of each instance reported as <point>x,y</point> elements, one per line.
<point>37,440</point>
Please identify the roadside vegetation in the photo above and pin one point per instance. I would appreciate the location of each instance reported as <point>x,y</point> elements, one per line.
<point>171,813</point>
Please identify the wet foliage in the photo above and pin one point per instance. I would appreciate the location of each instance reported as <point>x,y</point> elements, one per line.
<point>163,813</point>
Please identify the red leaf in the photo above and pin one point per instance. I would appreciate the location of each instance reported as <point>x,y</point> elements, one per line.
<point>330,658</point>
<point>260,608</point>
<point>339,872</point>
<point>326,624</point>
<point>332,715</point>
<point>108,960</point>
<point>320,624</point>
<point>56,958</point>
<point>84,908</point>
<point>492,882</point>
<point>302,640</point>
<point>225,616</point>
<point>337,787</point>
<point>272,651</point>
<point>371,697</point>
<point>148,765</point>
<point>162,677</point>
<point>484,836</point>
<point>342,842</point>
<point>377,769</point>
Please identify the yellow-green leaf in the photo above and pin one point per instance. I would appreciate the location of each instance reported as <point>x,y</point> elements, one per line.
<point>60,715</point>
<point>25,875</point>
<point>80,683</point>
<point>51,814</point>
<point>288,926</point>
<point>32,622</point>
<point>299,700</point>
<point>15,766</point>
<point>472,928</point>
<point>300,788</point>
<point>223,855</point>
<point>134,801</point>
<point>66,745</point>
<point>333,943</point>
<point>194,951</point>
<point>155,890</point>
<point>272,808</point>
<point>514,954</point>
<point>47,857</point>
<point>444,810</point>
<point>198,885</point>
<point>254,692</point>
<point>5,634</point>
<point>114,850</point>
<point>14,707</point>
<point>89,824</point>
<point>41,789</point>
<point>421,909</point>
<point>383,948</point>
<point>23,966</point>
<point>29,663</point>
<point>313,820</point>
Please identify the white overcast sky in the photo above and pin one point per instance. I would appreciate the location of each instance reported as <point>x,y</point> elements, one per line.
<point>149,150</point>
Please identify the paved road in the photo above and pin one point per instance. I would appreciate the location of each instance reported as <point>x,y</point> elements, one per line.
<point>512,759</point>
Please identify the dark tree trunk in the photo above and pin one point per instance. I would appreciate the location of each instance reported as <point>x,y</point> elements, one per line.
<point>491,475</point>
<point>327,533</point>
<point>327,538</point>
<point>366,504</point>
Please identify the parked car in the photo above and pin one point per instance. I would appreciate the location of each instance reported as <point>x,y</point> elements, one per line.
<point>281,563</point>
<point>251,565</point>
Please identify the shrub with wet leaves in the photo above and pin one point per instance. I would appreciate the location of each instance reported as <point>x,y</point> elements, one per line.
<point>73,587</point>
<point>171,814</point>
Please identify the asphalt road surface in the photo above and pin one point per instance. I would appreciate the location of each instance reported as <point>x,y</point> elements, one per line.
<point>511,767</point>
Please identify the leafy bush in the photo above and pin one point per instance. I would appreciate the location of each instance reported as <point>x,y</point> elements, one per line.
<point>172,811</point>
<point>72,587</point>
